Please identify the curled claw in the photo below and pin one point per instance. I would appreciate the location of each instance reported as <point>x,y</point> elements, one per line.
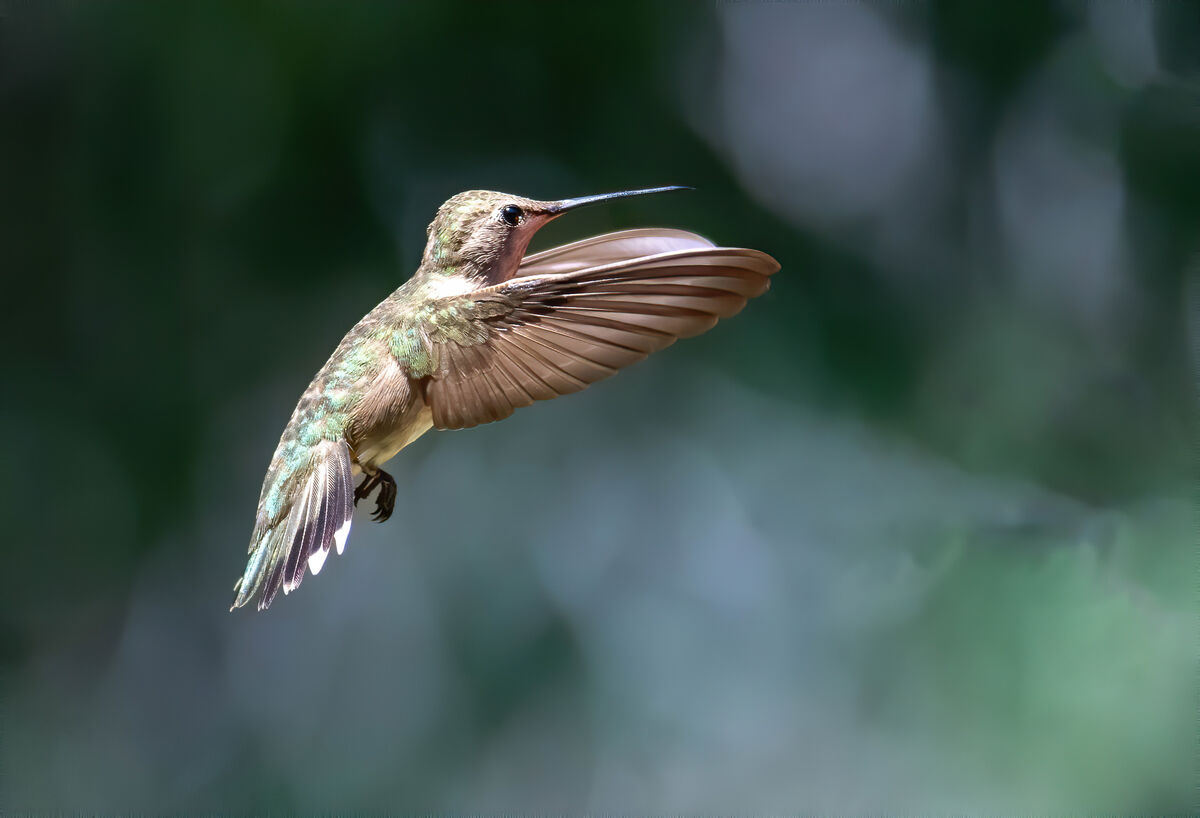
<point>364,489</point>
<point>385,500</point>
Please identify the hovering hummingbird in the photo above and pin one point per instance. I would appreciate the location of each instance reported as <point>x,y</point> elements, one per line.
<point>481,329</point>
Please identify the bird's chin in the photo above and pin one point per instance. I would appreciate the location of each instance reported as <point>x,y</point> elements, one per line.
<point>505,267</point>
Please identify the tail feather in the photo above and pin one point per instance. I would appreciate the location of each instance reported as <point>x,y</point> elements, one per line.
<point>314,515</point>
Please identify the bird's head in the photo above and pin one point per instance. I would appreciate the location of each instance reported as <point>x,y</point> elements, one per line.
<point>486,233</point>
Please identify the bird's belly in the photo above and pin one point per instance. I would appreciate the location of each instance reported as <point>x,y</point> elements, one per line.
<point>382,447</point>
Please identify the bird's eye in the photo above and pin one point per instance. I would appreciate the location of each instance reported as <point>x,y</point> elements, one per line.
<point>512,215</point>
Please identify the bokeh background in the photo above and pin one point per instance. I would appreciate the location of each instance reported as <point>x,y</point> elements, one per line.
<point>914,533</point>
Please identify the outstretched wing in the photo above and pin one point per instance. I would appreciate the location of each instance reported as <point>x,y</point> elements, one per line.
<point>305,510</point>
<point>564,322</point>
<point>610,248</point>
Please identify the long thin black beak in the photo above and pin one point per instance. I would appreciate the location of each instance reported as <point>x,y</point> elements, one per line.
<point>570,204</point>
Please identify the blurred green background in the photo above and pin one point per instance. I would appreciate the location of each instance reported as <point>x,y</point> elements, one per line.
<point>914,533</point>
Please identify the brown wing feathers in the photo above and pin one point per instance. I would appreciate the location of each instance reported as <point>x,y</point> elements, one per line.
<point>610,248</point>
<point>561,331</point>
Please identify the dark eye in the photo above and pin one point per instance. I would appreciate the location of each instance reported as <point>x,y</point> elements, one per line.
<point>512,215</point>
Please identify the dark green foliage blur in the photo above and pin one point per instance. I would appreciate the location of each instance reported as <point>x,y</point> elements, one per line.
<point>911,534</point>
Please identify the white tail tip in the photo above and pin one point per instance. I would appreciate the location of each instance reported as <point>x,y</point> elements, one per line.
<point>340,536</point>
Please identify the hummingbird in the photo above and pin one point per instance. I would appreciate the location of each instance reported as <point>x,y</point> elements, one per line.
<point>481,329</point>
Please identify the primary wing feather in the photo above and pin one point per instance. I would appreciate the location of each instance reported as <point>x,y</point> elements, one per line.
<point>609,248</point>
<point>565,322</point>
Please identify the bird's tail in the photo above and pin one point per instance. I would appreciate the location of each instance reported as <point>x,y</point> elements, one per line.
<point>305,509</point>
